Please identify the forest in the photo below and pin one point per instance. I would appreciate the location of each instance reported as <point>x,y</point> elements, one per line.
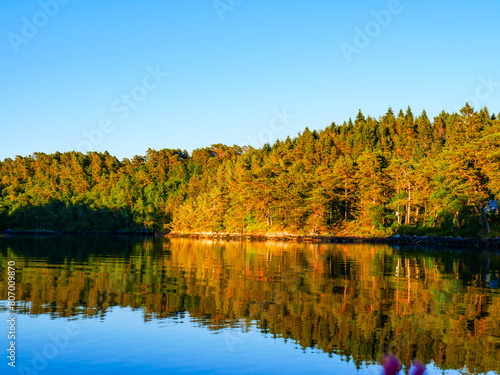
<point>400,173</point>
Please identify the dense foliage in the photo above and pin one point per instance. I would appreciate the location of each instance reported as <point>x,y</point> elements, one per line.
<point>398,173</point>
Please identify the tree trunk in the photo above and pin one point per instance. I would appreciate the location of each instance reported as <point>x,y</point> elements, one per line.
<point>345,200</point>
<point>408,209</point>
<point>486,221</point>
<point>330,220</point>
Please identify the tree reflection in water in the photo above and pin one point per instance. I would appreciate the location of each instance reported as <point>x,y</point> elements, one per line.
<point>357,301</point>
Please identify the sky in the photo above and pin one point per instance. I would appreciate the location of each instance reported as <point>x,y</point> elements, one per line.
<point>126,76</point>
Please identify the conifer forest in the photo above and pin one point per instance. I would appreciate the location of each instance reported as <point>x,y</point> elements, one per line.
<point>400,173</point>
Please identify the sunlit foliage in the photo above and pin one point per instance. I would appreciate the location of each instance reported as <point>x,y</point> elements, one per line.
<point>372,176</point>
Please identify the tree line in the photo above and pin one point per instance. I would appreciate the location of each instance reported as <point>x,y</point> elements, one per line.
<point>396,174</point>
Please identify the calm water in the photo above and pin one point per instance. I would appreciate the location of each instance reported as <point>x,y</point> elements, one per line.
<point>108,305</point>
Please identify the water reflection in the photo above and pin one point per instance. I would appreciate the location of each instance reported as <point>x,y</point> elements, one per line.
<point>357,301</point>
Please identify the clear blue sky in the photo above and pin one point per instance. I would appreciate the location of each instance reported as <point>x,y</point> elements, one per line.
<point>230,69</point>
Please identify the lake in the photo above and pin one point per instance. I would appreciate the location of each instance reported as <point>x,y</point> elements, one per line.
<point>130,305</point>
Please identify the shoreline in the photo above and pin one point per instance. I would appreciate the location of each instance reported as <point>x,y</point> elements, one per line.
<point>432,241</point>
<point>75,233</point>
<point>454,242</point>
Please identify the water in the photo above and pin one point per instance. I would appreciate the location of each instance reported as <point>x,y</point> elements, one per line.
<point>107,305</point>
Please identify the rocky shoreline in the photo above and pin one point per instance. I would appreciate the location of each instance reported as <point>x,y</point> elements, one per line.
<point>428,241</point>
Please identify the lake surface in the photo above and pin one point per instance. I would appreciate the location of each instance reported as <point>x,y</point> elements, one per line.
<point>125,305</point>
